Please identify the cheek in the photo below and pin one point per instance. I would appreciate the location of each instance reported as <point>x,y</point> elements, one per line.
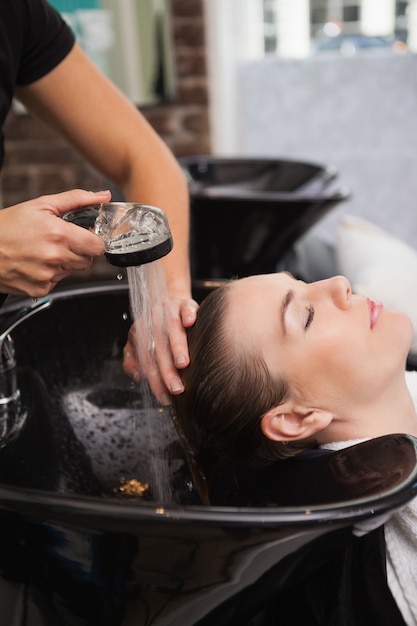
<point>363,356</point>
<point>331,346</point>
<point>332,357</point>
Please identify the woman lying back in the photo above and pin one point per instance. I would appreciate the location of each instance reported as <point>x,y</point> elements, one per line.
<point>278,365</point>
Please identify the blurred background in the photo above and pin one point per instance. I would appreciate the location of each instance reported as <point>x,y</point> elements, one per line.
<point>329,81</point>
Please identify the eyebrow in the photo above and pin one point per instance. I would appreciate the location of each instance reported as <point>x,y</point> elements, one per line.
<point>284,308</point>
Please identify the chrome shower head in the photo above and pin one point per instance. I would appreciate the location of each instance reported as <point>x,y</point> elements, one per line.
<point>133,234</point>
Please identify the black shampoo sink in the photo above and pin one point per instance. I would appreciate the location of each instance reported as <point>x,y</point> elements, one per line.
<point>87,540</point>
<point>246,213</point>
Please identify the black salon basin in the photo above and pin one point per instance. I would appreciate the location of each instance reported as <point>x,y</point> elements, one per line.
<point>246,213</point>
<point>84,541</point>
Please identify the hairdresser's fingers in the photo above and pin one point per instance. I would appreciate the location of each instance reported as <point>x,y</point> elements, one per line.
<point>170,350</point>
<point>171,346</point>
<point>140,361</point>
<point>156,383</point>
<point>163,358</point>
<point>82,244</point>
<point>187,314</point>
<point>182,314</point>
<point>130,362</point>
<point>71,200</point>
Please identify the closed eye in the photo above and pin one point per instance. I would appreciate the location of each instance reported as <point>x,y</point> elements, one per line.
<point>310,315</point>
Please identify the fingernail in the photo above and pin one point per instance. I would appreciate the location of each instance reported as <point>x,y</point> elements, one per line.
<point>101,192</point>
<point>176,386</point>
<point>180,360</point>
<point>189,316</point>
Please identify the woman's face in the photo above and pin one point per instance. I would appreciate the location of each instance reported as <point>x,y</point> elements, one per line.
<point>333,347</point>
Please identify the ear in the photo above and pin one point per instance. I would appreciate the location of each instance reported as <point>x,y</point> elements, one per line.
<point>286,422</point>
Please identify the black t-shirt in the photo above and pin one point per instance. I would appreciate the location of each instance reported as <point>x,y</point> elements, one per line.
<point>33,40</point>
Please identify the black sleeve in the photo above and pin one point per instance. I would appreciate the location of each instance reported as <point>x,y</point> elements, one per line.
<point>46,39</point>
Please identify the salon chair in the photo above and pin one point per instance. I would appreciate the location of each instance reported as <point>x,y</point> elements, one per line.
<point>340,577</point>
<point>80,546</point>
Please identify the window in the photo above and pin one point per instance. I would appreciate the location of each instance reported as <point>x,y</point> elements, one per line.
<point>130,40</point>
<point>330,18</point>
<point>351,14</point>
<point>401,9</point>
<point>241,30</point>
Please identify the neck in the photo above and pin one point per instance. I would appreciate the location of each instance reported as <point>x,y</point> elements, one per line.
<point>391,413</point>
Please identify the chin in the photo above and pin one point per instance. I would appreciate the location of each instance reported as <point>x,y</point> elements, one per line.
<point>406,334</point>
<point>397,335</point>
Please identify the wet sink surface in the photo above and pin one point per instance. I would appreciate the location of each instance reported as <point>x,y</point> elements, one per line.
<point>70,370</point>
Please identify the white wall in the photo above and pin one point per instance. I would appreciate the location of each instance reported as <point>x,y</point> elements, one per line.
<point>358,113</point>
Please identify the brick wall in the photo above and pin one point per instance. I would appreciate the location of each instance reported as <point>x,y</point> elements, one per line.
<point>39,162</point>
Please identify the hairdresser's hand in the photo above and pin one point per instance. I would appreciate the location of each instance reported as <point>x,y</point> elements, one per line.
<point>160,363</point>
<point>38,249</point>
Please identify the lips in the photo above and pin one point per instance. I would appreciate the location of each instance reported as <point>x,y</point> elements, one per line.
<point>375,310</point>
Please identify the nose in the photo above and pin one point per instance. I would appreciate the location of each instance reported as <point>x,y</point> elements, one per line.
<point>340,291</point>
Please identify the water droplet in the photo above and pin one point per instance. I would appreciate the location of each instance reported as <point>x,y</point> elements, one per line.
<point>119,276</point>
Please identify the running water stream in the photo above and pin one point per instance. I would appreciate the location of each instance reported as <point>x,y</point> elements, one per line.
<point>148,299</point>
<point>136,236</point>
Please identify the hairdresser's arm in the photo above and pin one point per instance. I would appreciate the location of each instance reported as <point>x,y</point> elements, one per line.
<point>37,249</point>
<point>83,105</point>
